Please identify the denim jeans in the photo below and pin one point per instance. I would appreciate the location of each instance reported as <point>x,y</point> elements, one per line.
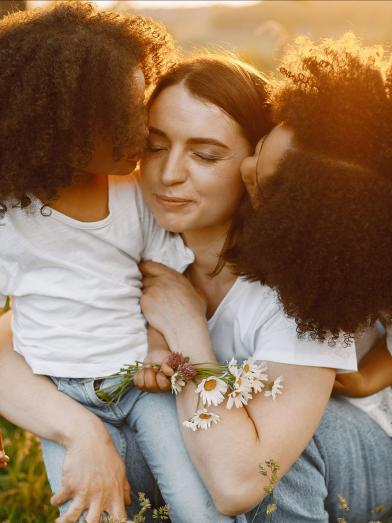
<point>147,422</point>
<point>349,455</point>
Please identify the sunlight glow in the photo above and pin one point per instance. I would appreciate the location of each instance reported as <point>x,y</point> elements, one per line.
<point>157,4</point>
<point>171,4</point>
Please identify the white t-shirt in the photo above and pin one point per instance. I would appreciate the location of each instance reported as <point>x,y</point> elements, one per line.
<point>249,322</point>
<point>76,286</point>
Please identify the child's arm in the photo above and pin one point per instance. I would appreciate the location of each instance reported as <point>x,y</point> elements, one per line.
<point>374,373</point>
<point>155,378</point>
<point>93,472</point>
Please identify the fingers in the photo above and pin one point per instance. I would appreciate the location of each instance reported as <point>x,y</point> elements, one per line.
<point>61,497</point>
<point>166,369</point>
<point>148,282</point>
<point>94,513</point>
<point>153,268</point>
<point>127,494</point>
<point>145,380</point>
<point>116,512</point>
<point>163,382</point>
<point>73,513</point>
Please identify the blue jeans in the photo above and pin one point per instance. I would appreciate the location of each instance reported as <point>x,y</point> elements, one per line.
<point>349,455</point>
<point>147,422</point>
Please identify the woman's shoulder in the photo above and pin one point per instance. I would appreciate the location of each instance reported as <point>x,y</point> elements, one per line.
<point>252,298</point>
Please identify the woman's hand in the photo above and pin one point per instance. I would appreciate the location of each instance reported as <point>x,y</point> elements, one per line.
<point>93,472</point>
<point>94,478</point>
<point>170,303</point>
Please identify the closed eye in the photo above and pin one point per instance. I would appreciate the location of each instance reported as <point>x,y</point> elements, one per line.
<point>207,157</point>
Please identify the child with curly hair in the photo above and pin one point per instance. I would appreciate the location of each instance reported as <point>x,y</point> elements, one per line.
<point>321,233</point>
<point>73,230</point>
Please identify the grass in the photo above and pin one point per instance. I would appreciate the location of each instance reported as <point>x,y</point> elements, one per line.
<point>24,489</point>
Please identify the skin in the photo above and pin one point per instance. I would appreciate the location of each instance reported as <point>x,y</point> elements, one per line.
<point>176,305</point>
<point>269,151</point>
<point>34,403</point>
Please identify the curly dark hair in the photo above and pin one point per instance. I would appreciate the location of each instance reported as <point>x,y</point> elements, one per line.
<point>67,74</point>
<point>322,236</point>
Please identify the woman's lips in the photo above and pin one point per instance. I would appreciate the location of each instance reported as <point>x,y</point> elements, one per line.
<point>171,201</point>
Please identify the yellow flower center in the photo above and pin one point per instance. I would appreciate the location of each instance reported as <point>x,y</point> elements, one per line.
<point>246,367</point>
<point>205,416</point>
<point>210,385</point>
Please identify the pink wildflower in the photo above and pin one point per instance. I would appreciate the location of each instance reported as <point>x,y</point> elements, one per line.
<point>175,360</point>
<point>187,371</point>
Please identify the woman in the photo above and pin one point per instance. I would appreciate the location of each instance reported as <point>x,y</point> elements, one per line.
<point>186,183</point>
<point>192,181</point>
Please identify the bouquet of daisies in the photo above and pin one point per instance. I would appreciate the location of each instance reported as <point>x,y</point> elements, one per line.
<point>218,382</point>
<point>233,382</point>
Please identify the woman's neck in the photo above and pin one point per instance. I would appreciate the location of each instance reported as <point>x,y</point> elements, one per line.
<point>207,245</point>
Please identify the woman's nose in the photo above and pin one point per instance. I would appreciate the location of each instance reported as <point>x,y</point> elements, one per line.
<point>174,170</point>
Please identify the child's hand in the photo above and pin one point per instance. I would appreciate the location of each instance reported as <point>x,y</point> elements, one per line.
<point>156,377</point>
<point>353,384</point>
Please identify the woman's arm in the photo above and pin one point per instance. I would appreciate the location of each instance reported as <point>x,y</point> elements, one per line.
<point>34,403</point>
<point>228,455</point>
<point>374,373</point>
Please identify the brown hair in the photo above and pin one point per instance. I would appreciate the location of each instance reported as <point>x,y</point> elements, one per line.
<point>66,73</point>
<point>229,83</point>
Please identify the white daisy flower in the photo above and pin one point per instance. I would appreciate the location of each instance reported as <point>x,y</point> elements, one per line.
<point>212,390</point>
<point>190,424</point>
<point>258,370</point>
<point>243,384</point>
<point>276,388</point>
<point>237,398</point>
<point>233,367</point>
<point>203,419</point>
<point>177,383</point>
<point>255,383</point>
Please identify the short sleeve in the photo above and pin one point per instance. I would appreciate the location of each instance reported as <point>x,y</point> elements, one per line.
<point>274,338</point>
<point>162,246</point>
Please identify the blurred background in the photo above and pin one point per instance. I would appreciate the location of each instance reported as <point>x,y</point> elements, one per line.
<point>259,32</point>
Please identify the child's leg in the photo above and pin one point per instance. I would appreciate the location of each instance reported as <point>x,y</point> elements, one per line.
<point>154,419</point>
<point>83,391</point>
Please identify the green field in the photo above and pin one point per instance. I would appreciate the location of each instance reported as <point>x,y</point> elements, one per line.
<point>24,489</point>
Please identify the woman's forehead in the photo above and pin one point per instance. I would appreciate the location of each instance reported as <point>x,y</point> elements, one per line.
<point>176,109</point>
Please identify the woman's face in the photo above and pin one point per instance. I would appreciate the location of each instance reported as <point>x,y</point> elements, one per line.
<point>190,173</point>
<point>268,153</point>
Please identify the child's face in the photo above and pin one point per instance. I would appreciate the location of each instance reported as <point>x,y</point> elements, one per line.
<point>269,152</point>
<point>102,162</point>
